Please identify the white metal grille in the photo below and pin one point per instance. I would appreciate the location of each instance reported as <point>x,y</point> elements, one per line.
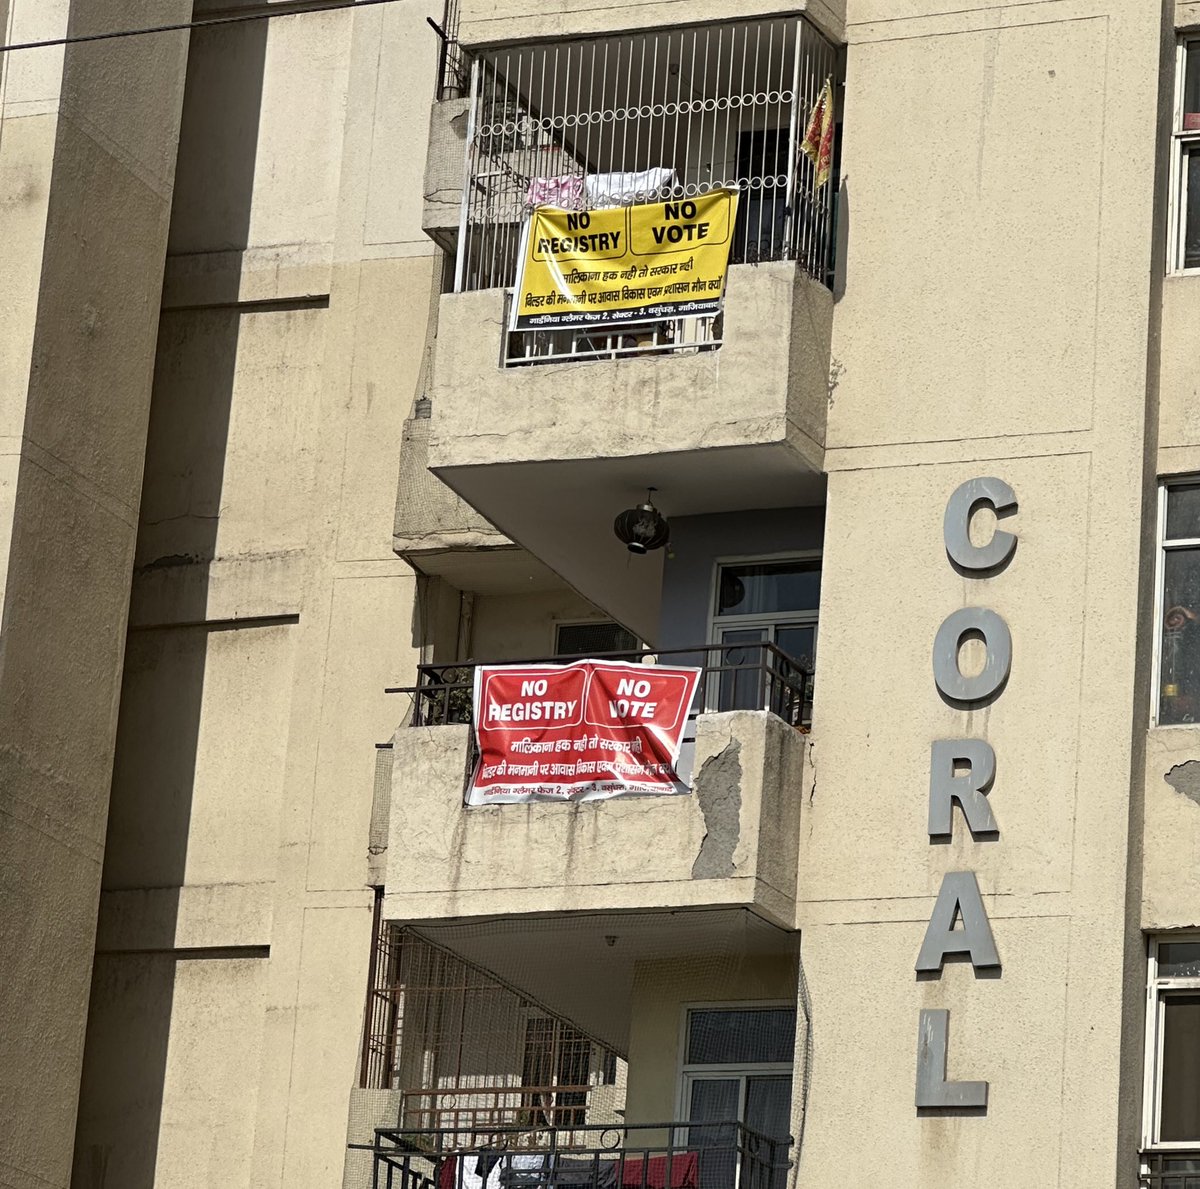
<point>660,114</point>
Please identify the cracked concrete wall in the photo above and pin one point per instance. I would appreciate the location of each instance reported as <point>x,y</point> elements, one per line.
<point>1171,829</point>
<point>751,392</point>
<point>444,166</point>
<point>730,842</point>
<point>430,517</point>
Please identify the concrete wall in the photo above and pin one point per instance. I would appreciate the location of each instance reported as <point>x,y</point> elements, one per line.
<point>520,627</point>
<point>729,842</point>
<point>87,157</point>
<point>430,518</point>
<point>1016,344</point>
<point>269,611</point>
<point>486,23</point>
<point>689,570</point>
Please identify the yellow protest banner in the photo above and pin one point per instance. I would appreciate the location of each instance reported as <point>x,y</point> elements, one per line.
<point>622,265</point>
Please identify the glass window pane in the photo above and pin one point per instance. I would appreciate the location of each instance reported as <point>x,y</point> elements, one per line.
<point>746,1036</point>
<point>715,1100</point>
<point>1191,214</point>
<point>1179,959</point>
<point>1180,1086</point>
<point>742,684</point>
<point>1191,86</point>
<point>769,1105</point>
<point>766,587</point>
<point>1183,511</point>
<point>1179,687</point>
<point>769,1112</point>
<point>799,641</point>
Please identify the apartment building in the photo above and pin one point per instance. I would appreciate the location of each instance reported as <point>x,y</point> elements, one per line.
<point>919,497</point>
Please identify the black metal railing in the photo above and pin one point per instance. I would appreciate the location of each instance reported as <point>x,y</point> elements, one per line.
<point>454,67</point>
<point>1170,1170</point>
<point>720,1155</point>
<point>747,676</point>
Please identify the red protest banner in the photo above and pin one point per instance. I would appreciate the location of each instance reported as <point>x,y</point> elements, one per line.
<point>578,732</point>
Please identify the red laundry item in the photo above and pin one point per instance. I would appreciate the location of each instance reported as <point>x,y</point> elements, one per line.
<point>445,1173</point>
<point>685,1172</point>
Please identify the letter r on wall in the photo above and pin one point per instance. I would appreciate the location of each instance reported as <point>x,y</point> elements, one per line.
<point>969,789</point>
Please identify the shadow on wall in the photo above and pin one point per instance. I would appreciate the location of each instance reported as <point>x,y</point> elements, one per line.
<point>121,1096</point>
<point>841,240</point>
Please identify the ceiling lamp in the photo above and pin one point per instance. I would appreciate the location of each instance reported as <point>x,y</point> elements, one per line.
<point>642,528</point>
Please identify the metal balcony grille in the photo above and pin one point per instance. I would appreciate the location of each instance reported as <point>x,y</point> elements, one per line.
<point>755,675</point>
<point>454,70</point>
<point>445,1033</point>
<point>668,113</point>
<point>1170,1170</point>
<point>674,1155</point>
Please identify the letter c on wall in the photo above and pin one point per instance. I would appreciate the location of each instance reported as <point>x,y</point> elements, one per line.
<point>996,638</point>
<point>956,524</point>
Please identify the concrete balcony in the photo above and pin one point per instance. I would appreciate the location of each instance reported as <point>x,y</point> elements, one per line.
<point>550,453</point>
<point>444,171</point>
<point>430,519</point>
<point>731,844</point>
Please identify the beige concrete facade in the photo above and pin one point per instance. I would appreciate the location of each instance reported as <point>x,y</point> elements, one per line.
<point>261,463</point>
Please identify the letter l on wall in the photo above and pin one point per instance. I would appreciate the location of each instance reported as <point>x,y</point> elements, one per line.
<point>932,1088</point>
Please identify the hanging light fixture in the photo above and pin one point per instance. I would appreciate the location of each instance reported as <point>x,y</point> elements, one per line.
<point>642,528</point>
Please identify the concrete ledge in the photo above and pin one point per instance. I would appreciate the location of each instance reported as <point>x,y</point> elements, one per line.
<point>214,916</point>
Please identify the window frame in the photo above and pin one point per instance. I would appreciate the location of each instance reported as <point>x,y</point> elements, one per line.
<point>759,619</point>
<point>558,624</point>
<point>1162,548</point>
<point>1153,1044</point>
<point>767,619</point>
<point>691,1071</point>
<point>1181,141</point>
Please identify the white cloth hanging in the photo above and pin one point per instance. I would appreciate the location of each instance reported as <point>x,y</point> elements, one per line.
<point>613,189</point>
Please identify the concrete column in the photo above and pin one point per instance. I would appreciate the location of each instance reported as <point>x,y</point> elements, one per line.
<point>87,158</point>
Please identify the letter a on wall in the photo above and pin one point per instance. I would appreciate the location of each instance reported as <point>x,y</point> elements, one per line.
<point>958,899</point>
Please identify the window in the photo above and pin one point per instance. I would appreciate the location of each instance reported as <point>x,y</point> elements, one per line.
<point>588,639</point>
<point>560,1063</point>
<point>1185,223</point>
<point>737,1068</point>
<point>757,602</point>
<point>1172,1106</point>
<point>1177,687</point>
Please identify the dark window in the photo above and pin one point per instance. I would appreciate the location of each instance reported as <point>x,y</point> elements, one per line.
<point>578,639</point>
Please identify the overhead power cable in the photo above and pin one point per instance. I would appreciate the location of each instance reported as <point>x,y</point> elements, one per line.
<point>284,10</point>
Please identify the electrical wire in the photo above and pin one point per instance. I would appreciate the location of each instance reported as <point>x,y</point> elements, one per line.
<point>284,11</point>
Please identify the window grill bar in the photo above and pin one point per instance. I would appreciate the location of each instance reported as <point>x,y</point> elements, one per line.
<point>732,116</point>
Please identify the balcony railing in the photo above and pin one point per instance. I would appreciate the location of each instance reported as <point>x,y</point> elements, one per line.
<point>1170,1170</point>
<point>745,676</point>
<point>644,117</point>
<point>722,1155</point>
<point>686,335</point>
<point>468,1110</point>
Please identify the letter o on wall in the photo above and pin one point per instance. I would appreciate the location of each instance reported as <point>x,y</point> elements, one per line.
<point>998,642</point>
<point>956,524</point>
